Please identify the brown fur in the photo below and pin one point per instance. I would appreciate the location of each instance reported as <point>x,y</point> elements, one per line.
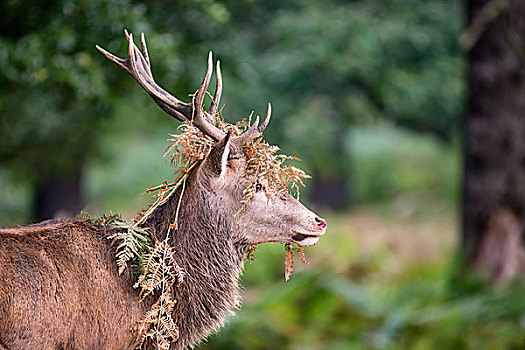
<point>59,286</point>
<point>59,289</point>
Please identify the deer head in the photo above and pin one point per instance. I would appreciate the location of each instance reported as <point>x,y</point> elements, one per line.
<point>220,179</point>
<point>275,218</point>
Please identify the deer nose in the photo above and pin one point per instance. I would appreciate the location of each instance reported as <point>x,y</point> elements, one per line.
<point>320,222</point>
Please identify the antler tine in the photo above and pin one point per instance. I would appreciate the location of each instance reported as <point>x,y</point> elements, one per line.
<point>250,133</point>
<point>199,118</point>
<point>145,51</point>
<point>121,62</point>
<point>198,98</point>
<point>218,92</point>
<point>267,119</point>
<point>255,128</point>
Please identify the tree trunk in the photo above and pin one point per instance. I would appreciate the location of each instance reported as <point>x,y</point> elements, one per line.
<point>494,127</point>
<point>58,196</point>
<point>330,193</point>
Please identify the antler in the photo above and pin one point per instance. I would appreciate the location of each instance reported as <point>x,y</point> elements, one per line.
<point>139,67</point>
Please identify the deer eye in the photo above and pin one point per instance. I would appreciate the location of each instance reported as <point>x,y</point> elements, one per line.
<point>258,187</point>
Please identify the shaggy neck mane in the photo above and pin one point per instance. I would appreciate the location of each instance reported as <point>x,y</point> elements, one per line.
<point>211,261</point>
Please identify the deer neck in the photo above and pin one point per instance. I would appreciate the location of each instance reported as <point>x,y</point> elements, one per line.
<point>212,264</point>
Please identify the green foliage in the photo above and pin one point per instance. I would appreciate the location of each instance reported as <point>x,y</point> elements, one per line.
<point>113,219</point>
<point>54,91</point>
<point>15,202</point>
<point>389,162</point>
<point>342,64</point>
<point>133,243</point>
<point>358,303</point>
<point>328,65</point>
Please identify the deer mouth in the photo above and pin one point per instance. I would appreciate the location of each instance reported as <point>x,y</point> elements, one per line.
<point>306,239</point>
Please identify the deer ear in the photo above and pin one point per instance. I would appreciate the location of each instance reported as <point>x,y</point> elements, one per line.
<point>216,161</point>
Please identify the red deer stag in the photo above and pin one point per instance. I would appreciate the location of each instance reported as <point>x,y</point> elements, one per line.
<point>59,284</point>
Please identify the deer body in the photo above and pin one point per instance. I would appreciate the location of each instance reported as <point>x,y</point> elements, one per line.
<point>59,289</point>
<point>59,284</point>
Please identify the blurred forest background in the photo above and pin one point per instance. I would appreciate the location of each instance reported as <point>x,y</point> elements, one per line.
<point>370,94</point>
